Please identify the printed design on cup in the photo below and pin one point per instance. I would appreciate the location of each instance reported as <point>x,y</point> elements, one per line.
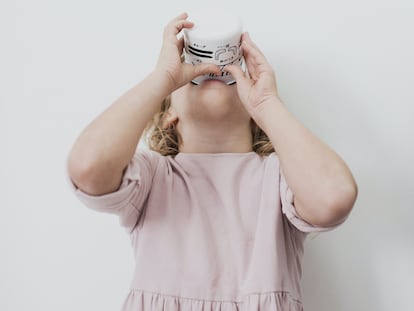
<point>215,43</point>
<point>200,53</point>
<point>222,56</point>
<point>227,54</point>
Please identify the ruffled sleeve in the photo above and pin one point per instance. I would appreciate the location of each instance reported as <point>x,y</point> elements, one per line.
<point>290,212</point>
<point>126,202</point>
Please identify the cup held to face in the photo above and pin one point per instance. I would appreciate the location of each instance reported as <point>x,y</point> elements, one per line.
<point>215,38</point>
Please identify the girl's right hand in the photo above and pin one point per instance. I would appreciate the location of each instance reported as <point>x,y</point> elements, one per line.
<point>169,62</point>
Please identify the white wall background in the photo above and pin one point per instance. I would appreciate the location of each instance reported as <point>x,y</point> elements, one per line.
<point>344,68</point>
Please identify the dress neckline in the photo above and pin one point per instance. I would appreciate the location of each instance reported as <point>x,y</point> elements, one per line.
<point>218,154</point>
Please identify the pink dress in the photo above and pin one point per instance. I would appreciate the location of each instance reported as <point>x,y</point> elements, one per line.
<point>209,232</point>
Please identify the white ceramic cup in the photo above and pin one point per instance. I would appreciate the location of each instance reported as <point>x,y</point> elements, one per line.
<point>215,38</point>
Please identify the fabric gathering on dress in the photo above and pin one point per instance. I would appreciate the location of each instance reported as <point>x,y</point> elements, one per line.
<point>214,231</point>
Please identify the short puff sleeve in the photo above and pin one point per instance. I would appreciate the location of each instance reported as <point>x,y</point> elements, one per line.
<point>126,202</point>
<point>288,209</point>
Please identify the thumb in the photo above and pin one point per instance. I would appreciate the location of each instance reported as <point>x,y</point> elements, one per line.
<point>201,69</point>
<point>237,74</point>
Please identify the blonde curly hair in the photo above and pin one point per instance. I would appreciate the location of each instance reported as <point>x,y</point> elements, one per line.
<point>166,141</point>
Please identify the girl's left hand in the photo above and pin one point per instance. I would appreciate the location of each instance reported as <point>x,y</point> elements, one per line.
<point>258,85</point>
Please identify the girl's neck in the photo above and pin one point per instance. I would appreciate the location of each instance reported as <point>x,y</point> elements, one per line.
<point>216,138</point>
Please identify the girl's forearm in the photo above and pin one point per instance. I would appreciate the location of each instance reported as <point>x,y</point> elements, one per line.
<point>318,177</point>
<point>105,147</point>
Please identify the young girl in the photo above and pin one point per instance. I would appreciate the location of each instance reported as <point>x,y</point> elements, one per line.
<point>214,222</point>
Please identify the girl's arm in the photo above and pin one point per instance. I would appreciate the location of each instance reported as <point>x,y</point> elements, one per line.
<point>323,186</point>
<point>106,146</point>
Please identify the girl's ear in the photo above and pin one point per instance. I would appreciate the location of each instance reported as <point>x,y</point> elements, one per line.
<point>170,117</point>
